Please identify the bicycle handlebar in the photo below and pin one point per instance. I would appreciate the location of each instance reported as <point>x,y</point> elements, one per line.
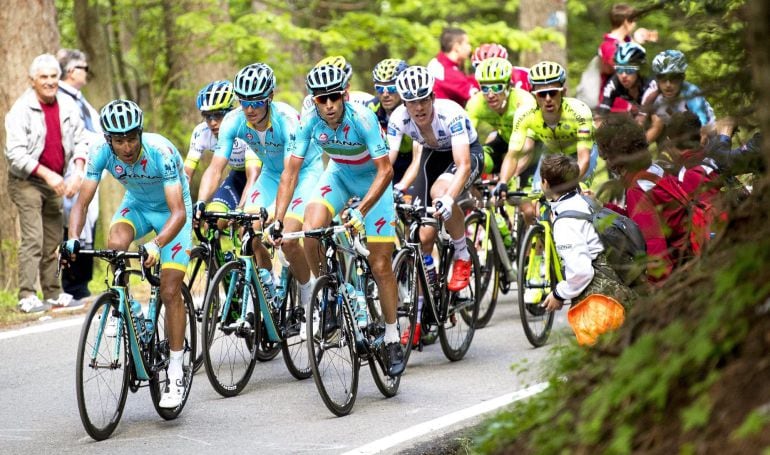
<point>328,232</point>
<point>111,256</point>
<point>235,215</point>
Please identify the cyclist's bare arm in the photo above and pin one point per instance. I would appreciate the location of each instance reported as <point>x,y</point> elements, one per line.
<point>211,178</point>
<point>413,170</point>
<point>516,161</point>
<point>583,159</point>
<point>381,181</point>
<point>286,186</point>
<point>461,155</point>
<point>80,208</point>
<point>176,221</point>
<point>252,174</point>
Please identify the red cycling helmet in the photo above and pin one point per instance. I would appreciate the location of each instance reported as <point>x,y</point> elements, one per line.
<point>488,50</point>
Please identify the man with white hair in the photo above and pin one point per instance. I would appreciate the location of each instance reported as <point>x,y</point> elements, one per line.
<point>44,132</point>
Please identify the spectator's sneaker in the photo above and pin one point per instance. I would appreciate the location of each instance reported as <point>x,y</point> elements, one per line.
<point>461,274</point>
<point>417,335</point>
<point>62,300</point>
<point>32,304</point>
<point>66,302</point>
<point>172,396</point>
<point>394,359</point>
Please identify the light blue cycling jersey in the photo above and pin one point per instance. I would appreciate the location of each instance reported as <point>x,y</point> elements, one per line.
<point>352,147</point>
<point>690,98</point>
<point>269,145</point>
<point>159,165</point>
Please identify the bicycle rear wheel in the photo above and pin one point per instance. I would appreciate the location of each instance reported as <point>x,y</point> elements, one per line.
<point>102,369</point>
<point>405,271</point>
<point>159,356</point>
<point>293,346</point>
<point>462,310</point>
<point>489,289</point>
<point>375,331</point>
<point>531,281</point>
<point>197,280</point>
<point>229,349</point>
<point>331,350</point>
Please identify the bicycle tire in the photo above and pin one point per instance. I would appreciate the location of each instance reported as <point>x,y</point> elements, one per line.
<point>267,350</point>
<point>488,263</point>
<point>229,354</point>
<point>101,423</point>
<point>387,385</point>
<point>197,279</point>
<point>338,397</point>
<point>455,337</point>
<point>295,353</point>
<point>405,271</point>
<point>159,355</point>
<point>535,320</point>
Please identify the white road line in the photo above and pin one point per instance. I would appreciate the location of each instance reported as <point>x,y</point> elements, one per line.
<point>46,327</point>
<point>424,428</point>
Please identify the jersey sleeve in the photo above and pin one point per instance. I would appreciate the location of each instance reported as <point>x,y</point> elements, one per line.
<point>196,150</point>
<point>300,140</point>
<point>395,133</point>
<point>459,130</point>
<point>609,93</point>
<point>584,124</point>
<point>170,166</point>
<point>521,121</point>
<point>97,161</point>
<point>227,135</point>
<point>474,108</point>
<point>371,133</point>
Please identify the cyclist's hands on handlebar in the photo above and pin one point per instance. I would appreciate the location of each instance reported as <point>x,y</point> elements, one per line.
<point>153,253</point>
<point>398,193</point>
<point>275,233</point>
<point>444,207</point>
<point>197,212</point>
<point>68,252</point>
<point>356,221</point>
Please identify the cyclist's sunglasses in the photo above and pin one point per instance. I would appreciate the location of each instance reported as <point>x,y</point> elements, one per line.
<point>252,103</point>
<point>380,89</point>
<point>213,115</point>
<point>550,92</point>
<point>333,97</point>
<point>417,95</point>
<point>494,88</point>
<point>626,69</point>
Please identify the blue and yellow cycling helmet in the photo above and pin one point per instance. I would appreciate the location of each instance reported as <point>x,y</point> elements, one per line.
<point>388,70</point>
<point>216,96</point>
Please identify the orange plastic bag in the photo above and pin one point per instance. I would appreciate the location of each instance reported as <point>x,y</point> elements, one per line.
<point>593,316</point>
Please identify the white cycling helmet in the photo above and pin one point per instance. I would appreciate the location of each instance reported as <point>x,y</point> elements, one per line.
<point>326,79</point>
<point>254,81</point>
<point>415,83</point>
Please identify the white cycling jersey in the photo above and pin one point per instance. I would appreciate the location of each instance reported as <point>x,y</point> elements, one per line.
<point>203,139</point>
<point>451,127</point>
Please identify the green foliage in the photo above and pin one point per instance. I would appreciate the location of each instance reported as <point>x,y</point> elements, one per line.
<point>755,423</point>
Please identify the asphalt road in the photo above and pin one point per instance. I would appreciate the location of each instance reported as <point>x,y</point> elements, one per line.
<point>275,413</point>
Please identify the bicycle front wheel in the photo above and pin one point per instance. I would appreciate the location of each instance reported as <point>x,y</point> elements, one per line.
<point>331,349</point>
<point>294,346</point>
<point>489,289</point>
<point>197,280</point>
<point>102,369</point>
<point>532,284</point>
<point>405,270</point>
<point>462,310</point>
<point>229,345</point>
<point>160,356</point>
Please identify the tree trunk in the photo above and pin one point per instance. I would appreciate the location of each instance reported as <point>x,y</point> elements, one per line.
<point>18,50</point>
<point>546,14</point>
<point>93,39</point>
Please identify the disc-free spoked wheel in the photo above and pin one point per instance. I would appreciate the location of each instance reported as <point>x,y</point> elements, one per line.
<point>489,288</point>
<point>532,276</point>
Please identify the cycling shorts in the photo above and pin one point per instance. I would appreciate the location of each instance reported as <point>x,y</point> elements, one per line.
<point>536,180</point>
<point>435,163</point>
<point>229,192</point>
<point>335,189</point>
<point>175,254</point>
<point>500,149</point>
<point>265,190</point>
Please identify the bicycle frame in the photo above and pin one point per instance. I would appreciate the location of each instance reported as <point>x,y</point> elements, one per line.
<point>551,257</point>
<point>490,210</point>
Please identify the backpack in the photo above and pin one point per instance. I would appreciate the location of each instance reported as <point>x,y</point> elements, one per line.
<point>621,237</point>
<point>700,214</point>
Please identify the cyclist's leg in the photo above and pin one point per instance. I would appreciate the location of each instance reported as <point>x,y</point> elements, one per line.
<point>128,223</point>
<point>262,194</point>
<point>293,220</point>
<point>328,198</point>
<point>228,195</point>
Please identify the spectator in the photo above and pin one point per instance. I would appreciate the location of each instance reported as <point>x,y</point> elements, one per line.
<point>75,279</point>
<point>451,82</point>
<point>44,132</point>
<point>745,159</point>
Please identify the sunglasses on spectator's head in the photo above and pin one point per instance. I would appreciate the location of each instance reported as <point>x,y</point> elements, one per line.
<point>213,115</point>
<point>333,97</point>
<point>380,89</point>
<point>82,67</point>
<point>676,77</point>
<point>252,103</point>
<point>626,69</point>
<point>552,92</point>
<point>494,88</point>
<point>416,95</point>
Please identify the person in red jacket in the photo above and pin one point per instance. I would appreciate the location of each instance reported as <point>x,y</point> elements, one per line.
<point>662,220</point>
<point>451,82</point>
